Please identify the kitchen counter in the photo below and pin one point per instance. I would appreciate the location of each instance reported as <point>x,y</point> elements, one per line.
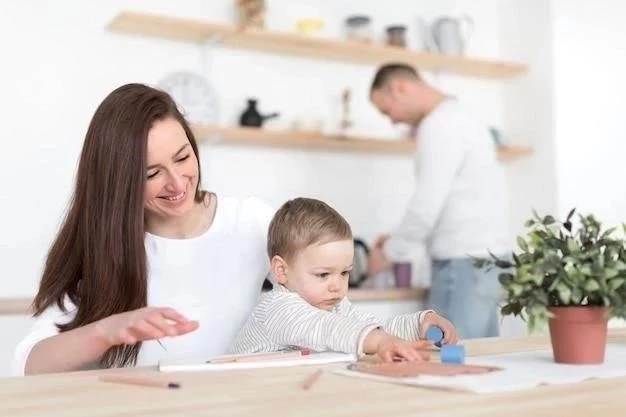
<point>21,306</point>
<point>387,294</point>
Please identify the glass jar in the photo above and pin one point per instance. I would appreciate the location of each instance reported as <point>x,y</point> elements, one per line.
<point>359,28</point>
<point>396,35</point>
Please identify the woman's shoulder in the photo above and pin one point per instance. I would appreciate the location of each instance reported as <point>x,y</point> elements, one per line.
<point>244,210</point>
<point>243,203</point>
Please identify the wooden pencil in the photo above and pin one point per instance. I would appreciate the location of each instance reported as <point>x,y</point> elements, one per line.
<point>140,381</point>
<point>312,379</point>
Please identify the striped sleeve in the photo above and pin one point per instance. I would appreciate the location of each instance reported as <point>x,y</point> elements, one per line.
<point>404,326</point>
<point>288,320</point>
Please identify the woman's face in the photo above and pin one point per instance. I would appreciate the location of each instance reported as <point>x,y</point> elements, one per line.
<point>172,171</point>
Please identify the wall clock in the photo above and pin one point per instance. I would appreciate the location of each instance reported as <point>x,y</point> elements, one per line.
<point>194,96</point>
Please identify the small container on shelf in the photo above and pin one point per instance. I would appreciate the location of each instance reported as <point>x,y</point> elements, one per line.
<point>309,26</point>
<point>359,28</point>
<point>396,35</point>
<point>251,14</point>
<point>402,272</point>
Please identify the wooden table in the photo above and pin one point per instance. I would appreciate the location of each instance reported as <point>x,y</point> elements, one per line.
<point>278,392</point>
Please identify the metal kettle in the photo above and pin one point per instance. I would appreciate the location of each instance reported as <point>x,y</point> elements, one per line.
<point>251,116</point>
<point>358,275</point>
<point>446,35</point>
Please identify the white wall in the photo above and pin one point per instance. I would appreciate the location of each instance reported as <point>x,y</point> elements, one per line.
<point>528,105</point>
<point>59,62</point>
<point>590,68</point>
<point>54,78</point>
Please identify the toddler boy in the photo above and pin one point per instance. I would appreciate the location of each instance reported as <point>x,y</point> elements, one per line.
<point>311,249</point>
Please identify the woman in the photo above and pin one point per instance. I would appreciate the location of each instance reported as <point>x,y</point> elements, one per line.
<point>146,264</point>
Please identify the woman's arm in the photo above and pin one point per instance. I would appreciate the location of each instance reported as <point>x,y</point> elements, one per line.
<point>43,351</point>
<point>68,351</point>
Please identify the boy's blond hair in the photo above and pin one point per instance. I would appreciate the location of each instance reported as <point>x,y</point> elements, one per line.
<point>302,222</point>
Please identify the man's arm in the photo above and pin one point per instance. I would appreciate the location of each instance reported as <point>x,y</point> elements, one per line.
<point>439,156</point>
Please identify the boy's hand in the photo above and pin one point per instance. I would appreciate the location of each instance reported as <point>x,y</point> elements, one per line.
<point>450,335</point>
<point>391,348</point>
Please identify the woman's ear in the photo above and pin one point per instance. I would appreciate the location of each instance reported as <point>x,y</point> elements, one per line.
<point>279,269</point>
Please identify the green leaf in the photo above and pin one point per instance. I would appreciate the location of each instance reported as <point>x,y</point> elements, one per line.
<point>616,283</point>
<point>522,244</point>
<point>504,264</point>
<point>506,310</point>
<point>591,285</point>
<point>518,262</point>
<point>537,279</point>
<point>570,214</point>
<point>607,232</point>
<point>572,247</point>
<point>565,294</point>
<point>548,220</point>
<point>505,279</point>
<point>568,226</point>
<point>516,289</point>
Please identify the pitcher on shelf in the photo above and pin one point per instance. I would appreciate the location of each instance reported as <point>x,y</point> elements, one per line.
<point>446,35</point>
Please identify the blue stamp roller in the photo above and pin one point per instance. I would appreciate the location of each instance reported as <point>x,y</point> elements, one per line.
<point>435,335</point>
<point>448,353</point>
<point>452,354</point>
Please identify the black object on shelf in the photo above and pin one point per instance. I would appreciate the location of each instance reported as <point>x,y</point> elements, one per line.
<point>358,275</point>
<point>251,116</point>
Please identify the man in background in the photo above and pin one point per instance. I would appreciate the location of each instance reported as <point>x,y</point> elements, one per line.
<point>459,207</point>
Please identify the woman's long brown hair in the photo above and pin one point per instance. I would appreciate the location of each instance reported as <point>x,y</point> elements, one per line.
<point>98,258</point>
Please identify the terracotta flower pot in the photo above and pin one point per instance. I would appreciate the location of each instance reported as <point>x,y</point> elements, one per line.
<point>578,334</point>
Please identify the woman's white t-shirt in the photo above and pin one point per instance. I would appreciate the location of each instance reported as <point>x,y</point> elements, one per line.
<point>214,278</point>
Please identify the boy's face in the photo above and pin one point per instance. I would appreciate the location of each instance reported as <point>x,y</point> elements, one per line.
<point>319,273</point>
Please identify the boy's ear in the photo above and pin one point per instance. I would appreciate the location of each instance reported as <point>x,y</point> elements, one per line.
<point>279,269</point>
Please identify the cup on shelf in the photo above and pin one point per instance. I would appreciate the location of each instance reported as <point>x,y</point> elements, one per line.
<point>402,272</point>
<point>396,36</point>
<point>308,124</point>
<point>309,26</point>
<point>359,28</point>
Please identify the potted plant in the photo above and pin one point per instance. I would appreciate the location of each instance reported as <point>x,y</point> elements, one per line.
<point>571,276</point>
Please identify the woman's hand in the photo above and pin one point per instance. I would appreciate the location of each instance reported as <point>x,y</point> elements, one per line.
<point>392,348</point>
<point>148,323</point>
<point>450,335</point>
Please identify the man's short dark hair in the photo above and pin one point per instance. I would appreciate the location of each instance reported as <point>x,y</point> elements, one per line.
<point>392,70</point>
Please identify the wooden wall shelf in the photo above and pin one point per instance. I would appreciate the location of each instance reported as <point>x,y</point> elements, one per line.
<point>249,136</point>
<point>192,30</point>
<point>246,136</point>
<point>15,306</point>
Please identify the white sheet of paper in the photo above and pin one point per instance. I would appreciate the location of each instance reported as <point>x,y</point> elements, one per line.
<point>521,370</point>
<point>190,364</point>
